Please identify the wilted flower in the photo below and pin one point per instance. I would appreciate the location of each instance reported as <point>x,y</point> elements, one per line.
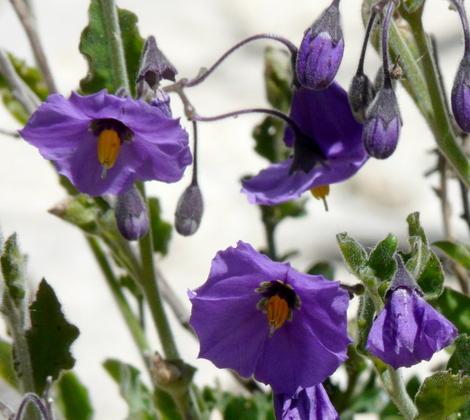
<point>306,404</point>
<point>104,143</point>
<point>330,149</point>
<point>263,318</point>
<point>408,330</point>
<point>382,125</point>
<point>321,50</point>
<point>131,215</point>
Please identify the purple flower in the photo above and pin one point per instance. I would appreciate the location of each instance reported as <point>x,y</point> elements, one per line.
<point>306,404</point>
<point>103,143</point>
<point>321,50</point>
<point>263,318</point>
<point>408,330</point>
<point>330,151</point>
<point>461,95</point>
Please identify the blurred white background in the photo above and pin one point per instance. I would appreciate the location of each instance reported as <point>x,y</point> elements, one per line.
<point>193,34</point>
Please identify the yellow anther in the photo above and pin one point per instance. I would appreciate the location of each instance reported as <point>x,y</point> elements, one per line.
<point>320,193</point>
<point>277,312</point>
<point>109,144</point>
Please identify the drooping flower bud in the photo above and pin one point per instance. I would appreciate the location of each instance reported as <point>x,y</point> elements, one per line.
<point>189,211</point>
<point>321,50</point>
<point>382,125</point>
<point>361,94</point>
<point>154,66</point>
<point>131,215</point>
<point>461,95</point>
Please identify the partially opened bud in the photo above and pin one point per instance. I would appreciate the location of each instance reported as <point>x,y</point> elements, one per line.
<point>361,94</point>
<point>131,215</point>
<point>382,125</point>
<point>461,95</point>
<point>189,211</point>
<point>321,51</point>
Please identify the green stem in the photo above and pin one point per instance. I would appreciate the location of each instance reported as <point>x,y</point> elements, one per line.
<point>113,32</point>
<point>400,396</point>
<point>129,317</point>
<point>271,240</point>
<point>151,290</point>
<point>441,123</point>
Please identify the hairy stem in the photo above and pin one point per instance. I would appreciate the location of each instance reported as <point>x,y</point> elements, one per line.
<point>400,396</point>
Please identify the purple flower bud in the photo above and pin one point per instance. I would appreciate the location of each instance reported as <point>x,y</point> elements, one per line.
<point>189,211</point>
<point>461,95</point>
<point>361,94</point>
<point>305,404</point>
<point>321,50</point>
<point>382,125</point>
<point>131,215</point>
<point>408,330</point>
<point>162,102</point>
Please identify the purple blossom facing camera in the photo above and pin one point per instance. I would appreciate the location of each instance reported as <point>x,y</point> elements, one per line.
<point>306,404</point>
<point>329,151</point>
<point>408,330</point>
<point>103,143</point>
<point>321,50</point>
<point>263,318</point>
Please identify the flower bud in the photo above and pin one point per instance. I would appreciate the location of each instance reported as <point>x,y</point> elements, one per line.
<point>131,215</point>
<point>361,94</point>
<point>461,95</point>
<point>189,211</point>
<point>162,102</point>
<point>321,50</point>
<point>382,125</point>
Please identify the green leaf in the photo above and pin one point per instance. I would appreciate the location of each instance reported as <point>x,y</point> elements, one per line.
<point>161,230</point>
<point>456,308</point>
<point>7,371</point>
<point>80,210</point>
<point>456,251</point>
<point>431,279</point>
<point>365,318</point>
<point>138,397</point>
<point>269,140</point>
<point>323,268</point>
<point>418,257</point>
<point>278,78</point>
<point>258,407</point>
<point>354,255</point>
<point>460,359</point>
<point>166,406</point>
<point>412,6</point>
<point>382,258</point>
<point>13,269</point>
<point>32,78</point>
<point>94,45</point>
<point>49,338</point>
<point>415,228</point>
<point>73,398</point>
<point>273,215</point>
<point>441,395</point>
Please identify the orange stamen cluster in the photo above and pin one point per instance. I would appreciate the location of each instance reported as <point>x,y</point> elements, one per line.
<point>109,145</point>
<point>320,193</point>
<point>277,312</point>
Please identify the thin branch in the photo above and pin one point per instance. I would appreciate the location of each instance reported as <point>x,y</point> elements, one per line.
<point>26,18</point>
<point>9,133</point>
<point>465,204</point>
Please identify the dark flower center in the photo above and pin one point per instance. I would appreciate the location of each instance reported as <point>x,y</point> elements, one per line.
<point>277,302</point>
<point>307,154</point>
<point>110,134</point>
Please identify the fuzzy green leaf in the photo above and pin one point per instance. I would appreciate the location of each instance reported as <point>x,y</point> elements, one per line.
<point>80,210</point>
<point>94,45</point>
<point>49,338</point>
<point>7,371</point>
<point>365,317</point>
<point>455,306</point>
<point>441,395</point>
<point>138,397</point>
<point>161,229</point>
<point>323,268</point>
<point>166,406</point>
<point>278,78</point>
<point>354,255</point>
<point>73,398</point>
<point>382,258</point>
<point>431,279</point>
<point>13,269</point>
<point>460,359</point>
<point>456,251</point>
<point>269,136</point>
<point>412,6</point>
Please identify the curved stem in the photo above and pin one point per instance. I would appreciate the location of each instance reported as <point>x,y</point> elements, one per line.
<point>385,37</point>
<point>195,154</point>
<point>400,396</point>
<point>31,398</point>
<point>199,79</point>
<point>273,112</point>
<point>370,25</point>
<point>459,5</point>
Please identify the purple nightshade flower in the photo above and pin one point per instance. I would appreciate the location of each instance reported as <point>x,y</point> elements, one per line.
<point>408,330</point>
<point>461,95</point>
<point>103,143</point>
<point>263,318</point>
<point>330,151</point>
<point>306,404</point>
<point>321,50</point>
<point>382,125</point>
